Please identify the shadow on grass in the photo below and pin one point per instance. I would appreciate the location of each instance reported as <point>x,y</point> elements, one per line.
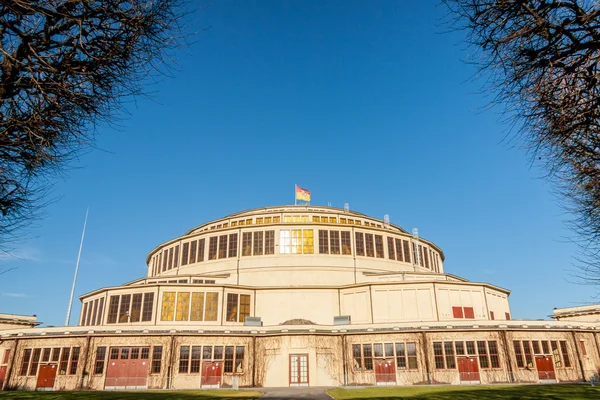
<point>524,392</point>
<point>149,395</point>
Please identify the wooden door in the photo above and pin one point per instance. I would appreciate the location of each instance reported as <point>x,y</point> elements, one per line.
<point>211,374</point>
<point>46,376</point>
<point>127,370</point>
<point>298,369</point>
<point>545,367</point>
<point>2,375</point>
<point>385,373</point>
<point>468,368</point>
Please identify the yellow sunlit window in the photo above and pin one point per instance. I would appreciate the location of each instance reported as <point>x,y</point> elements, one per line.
<point>249,221</point>
<point>183,306</point>
<point>332,220</point>
<point>259,220</point>
<point>342,220</point>
<point>168,306</point>
<point>268,220</point>
<point>324,219</point>
<point>308,242</point>
<point>212,306</point>
<point>242,222</point>
<point>276,220</point>
<point>233,223</point>
<point>197,306</point>
<point>287,218</point>
<point>305,218</point>
<point>296,218</point>
<point>316,219</point>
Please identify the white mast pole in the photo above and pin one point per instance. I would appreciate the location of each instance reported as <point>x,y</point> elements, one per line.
<point>76,269</point>
<point>295,190</point>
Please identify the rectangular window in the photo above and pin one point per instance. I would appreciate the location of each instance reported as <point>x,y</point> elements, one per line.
<point>426,257</point>
<point>411,349</point>
<point>185,253</point>
<point>222,246</point>
<point>369,247</point>
<point>459,348</point>
<point>527,351</point>
<point>399,256</point>
<point>95,308</point>
<point>228,364</point>
<point>197,306</point>
<point>232,307</point>
<point>195,362</point>
<point>244,307</point>
<point>218,353</point>
<point>377,350</point>
<point>379,246</point>
<point>406,251</point>
<point>493,351</point>
<point>207,353</point>
<point>346,243</point>
<point>484,361</point>
<point>164,257</point>
<point>268,220</point>
<point>469,312</point>
<point>518,354</point>
<point>492,315</point>
<point>448,351</point>
<point>136,307</point>
<point>239,359</point>
<point>269,242</point>
<point>184,359</point>
<point>100,358</point>
<point>400,356</point>
<point>183,306</point>
<point>565,353</point>
<point>367,357</point>
<point>308,241</point>
<point>247,244</point>
<point>55,354</point>
<point>233,244</point>
<point>212,306</point>
<point>201,246</point>
<point>74,361</point>
<point>64,360</point>
<point>438,353</point>
<point>334,239</point>
<point>582,347</point>
<point>357,357</point>
<point>457,312</point>
<point>536,347</point>
<point>212,248</point>
<point>113,309</point>
<point>124,309</point>
<point>258,244</point>
<point>170,258</point>
<point>84,314</point>
<point>391,252</point>
<point>176,260</point>
<point>168,306</point>
<point>25,363</point>
<point>388,349</point>
<point>35,360</point>
<point>148,305</point>
<point>193,251</point>
<point>360,244</point>
<point>45,355</point>
<point>471,348</point>
<point>156,360</point>
<point>545,347</point>
<point>323,242</point>
<point>507,316</point>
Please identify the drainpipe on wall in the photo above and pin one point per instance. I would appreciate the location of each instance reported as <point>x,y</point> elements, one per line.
<point>171,360</point>
<point>344,361</point>
<point>254,361</point>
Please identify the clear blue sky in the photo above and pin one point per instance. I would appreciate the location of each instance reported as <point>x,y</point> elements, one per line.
<point>361,102</point>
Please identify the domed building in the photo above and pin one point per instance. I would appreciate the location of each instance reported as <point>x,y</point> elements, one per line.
<point>296,296</point>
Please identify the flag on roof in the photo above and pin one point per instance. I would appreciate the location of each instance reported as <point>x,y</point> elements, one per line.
<point>302,194</point>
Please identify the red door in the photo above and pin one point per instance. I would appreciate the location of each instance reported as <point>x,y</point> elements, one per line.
<point>126,369</point>
<point>2,375</point>
<point>385,373</point>
<point>46,376</point>
<point>468,368</point>
<point>545,367</point>
<point>211,374</point>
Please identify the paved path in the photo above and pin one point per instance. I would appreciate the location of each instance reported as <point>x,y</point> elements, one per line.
<point>317,393</point>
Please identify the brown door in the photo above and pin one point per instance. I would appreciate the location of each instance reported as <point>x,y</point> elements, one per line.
<point>211,374</point>
<point>298,369</point>
<point>545,367</point>
<point>46,376</point>
<point>126,369</point>
<point>385,373</point>
<point>468,368</point>
<point>2,375</point>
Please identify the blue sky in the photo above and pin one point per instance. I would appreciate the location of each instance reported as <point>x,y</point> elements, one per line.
<point>368,103</point>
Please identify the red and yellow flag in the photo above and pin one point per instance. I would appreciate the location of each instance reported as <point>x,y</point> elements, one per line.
<point>302,194</point>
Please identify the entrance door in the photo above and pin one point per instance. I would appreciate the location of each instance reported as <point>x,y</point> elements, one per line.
<point>2,375</point>
<point>385,373</point>
<point>211,375</point>
<point>545,367</point>
<point>46,376</point>
<point>468,368</point>
<point>298,369</point>
<point>127,368</point>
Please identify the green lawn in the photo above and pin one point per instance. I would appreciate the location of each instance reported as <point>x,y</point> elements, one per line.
<point>147,394</point>
<point>526,392</point>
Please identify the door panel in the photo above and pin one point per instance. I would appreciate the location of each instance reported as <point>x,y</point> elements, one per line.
<point>385,373</point>
<point>212,373</point>
<point>468,368</point>
<point>2,375</point>
<point>127,371</point>
<point>46,376</point>
<point>298,369</point>
<point>545,367</point>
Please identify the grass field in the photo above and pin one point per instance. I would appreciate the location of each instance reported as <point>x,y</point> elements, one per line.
<point>525,392</point>
<point>147,394</point>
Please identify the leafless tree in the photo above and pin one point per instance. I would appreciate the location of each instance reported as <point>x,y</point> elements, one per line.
<point>65,67</point>
<point>541,59</point>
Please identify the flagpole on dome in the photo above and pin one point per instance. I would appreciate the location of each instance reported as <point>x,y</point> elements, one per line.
<point>295,191</point>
